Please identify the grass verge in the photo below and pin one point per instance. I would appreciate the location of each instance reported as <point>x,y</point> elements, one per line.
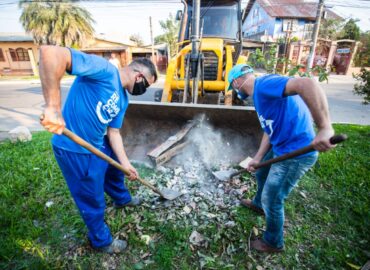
<point>328,213</point>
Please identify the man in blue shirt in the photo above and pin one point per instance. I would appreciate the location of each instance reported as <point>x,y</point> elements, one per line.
<point>94,110</point>
<point>284,106</point>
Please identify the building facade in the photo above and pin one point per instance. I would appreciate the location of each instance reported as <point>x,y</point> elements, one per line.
<point>271,20</point>
<point>17,55</point>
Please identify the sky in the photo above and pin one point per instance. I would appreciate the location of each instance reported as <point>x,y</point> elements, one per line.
<point>121,18</point>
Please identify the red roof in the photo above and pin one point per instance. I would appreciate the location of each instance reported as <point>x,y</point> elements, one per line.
<point>290,9</point>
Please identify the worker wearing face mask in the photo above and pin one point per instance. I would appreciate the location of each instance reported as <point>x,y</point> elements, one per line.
<point>285,107</point>
<point>94,110</point>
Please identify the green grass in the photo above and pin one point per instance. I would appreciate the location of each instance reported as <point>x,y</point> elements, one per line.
<point>328,213</point>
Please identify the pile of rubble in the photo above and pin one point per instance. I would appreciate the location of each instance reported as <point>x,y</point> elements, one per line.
<point>205,199</point>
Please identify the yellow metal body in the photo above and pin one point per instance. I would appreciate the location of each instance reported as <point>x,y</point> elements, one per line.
<point>175,77</point>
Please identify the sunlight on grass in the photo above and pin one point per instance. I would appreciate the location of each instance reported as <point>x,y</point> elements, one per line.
<point>30,247</point>
<point>328,219</point>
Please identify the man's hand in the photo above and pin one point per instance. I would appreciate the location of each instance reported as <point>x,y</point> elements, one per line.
<point>250,166</point>
<point>322,140</point>
<point>52,120</point>
<point>133,172</point>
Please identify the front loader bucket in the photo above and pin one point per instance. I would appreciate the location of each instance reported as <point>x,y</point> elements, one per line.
<point>149,124</point>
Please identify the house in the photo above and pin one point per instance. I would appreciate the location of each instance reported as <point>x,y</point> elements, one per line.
<point>17,54</point>
<point>104,47</point>
<point>126,50</point>
<point>271,20</point>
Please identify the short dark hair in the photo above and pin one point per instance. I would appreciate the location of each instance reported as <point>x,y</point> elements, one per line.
<point>145,62</point>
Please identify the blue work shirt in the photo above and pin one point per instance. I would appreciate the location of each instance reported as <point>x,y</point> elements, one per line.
<point>95,101</point>
<point>286,119</point>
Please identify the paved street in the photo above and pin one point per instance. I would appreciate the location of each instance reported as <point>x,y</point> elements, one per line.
<point>21,102</point>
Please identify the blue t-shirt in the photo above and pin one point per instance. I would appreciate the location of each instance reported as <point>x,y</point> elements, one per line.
<point>286,119</point>
<point>95,101</point>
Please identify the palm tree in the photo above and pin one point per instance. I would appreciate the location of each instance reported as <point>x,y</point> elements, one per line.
<point>57,22</point>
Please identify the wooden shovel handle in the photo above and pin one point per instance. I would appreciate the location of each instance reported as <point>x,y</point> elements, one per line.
<point>103,156</point>
<point>333,140</point>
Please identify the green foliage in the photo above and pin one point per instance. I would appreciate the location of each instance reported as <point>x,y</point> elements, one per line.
<point>170,28</point>
<point>328,219</point>
<point>330,28</point>
<point>351,30</point>
<point>362,88</point>
<point>58,22</point>
<point>294,39</point>
<point>267,60</point>
<point>362,58</point>
<point>271,60</point>
<point>256,59</point>
<point>321,72</point>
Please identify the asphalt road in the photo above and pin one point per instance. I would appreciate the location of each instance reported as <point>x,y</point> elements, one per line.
<point>21,102</point>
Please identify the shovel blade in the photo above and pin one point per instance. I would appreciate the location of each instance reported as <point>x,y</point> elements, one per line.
<point>224,175</point>
<point>170,194</point>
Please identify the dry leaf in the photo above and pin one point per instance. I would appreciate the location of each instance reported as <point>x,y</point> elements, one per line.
<point>196,239</point>
<point>255,231</point>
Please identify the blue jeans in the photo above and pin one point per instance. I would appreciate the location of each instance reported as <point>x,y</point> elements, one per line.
<point>274,183</point>
<point>88,177</point>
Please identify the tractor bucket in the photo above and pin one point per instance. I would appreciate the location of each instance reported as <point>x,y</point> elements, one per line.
<point>149,124</point>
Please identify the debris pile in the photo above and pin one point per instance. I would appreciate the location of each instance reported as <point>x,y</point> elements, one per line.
<point>205,199</point>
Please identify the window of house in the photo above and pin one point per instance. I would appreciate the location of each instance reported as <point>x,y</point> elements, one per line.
<point>2,58</point>
<point>19,54</point>
<point>307,31</point>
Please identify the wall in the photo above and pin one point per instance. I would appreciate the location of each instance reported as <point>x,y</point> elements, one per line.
<point>299,30</point>
<point>258,21</point>
<point>17,66</point>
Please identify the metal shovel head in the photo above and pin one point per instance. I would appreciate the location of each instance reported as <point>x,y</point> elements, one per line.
<point>170,194</point>
<point>224,175</point>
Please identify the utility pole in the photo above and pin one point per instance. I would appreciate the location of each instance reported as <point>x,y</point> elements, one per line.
<point>194,56</point>
<point>152,40</point>
<point>315,34</point>
<point>287,42</point>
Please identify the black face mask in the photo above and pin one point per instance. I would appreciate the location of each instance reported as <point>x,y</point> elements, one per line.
<point>139,88</point>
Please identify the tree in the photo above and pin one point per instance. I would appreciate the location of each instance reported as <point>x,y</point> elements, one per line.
<point>351,30</point>
<point>330,28</point>
<point>58,22</point>
<point>137,38</point>
<point>363,56</point>
<point>171,30</point>
<point>362,88</point>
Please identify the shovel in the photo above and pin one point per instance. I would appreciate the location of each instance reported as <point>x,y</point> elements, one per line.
<point>165,193</point>
<point>228,174</point>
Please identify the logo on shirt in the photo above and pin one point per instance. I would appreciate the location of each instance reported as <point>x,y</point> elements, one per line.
<point>109,109</point>
<point>266,125</point>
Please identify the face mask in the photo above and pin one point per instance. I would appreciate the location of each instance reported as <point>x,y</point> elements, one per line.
<point>241,95</point>
<point>139,88</point>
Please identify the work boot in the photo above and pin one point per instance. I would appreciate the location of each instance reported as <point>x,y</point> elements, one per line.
<point>261,246</point>
<point>117,246</point>
<point>135,201</point>
<point>249,204</point>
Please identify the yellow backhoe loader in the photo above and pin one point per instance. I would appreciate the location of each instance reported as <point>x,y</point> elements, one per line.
<point>210,44</point>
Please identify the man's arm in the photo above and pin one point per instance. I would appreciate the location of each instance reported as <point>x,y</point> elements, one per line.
<point>263,149</point>
<point>54,62</point>
<point>115,141</point>
<point>312,94</point>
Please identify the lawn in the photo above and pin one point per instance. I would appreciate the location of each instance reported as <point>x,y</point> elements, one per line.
<point>328,219</point>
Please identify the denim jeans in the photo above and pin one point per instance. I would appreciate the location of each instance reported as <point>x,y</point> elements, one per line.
<point>274,183</point>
